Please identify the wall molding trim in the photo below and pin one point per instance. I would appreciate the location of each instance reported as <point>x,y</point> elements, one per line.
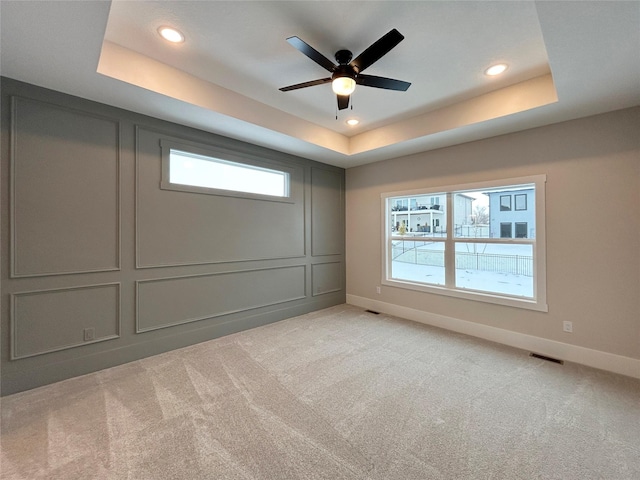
<point>564,351</point>
<point>318,289</point>
<point>140,284</point>
<point>14,319</point>
<point>13,214</point>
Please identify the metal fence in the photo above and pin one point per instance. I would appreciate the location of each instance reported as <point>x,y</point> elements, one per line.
<point>493,262</point>
<point>432,258</point>
<point>486,262</point>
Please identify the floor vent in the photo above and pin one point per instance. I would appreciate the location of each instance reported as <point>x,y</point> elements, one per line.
<point>548,359</point>
<point>372,311</point>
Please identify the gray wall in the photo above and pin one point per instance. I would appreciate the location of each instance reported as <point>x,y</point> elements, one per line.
<point>101,266</point>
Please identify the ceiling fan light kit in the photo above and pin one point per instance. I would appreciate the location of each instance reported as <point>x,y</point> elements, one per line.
<point>347,73</point>
<point>343,85</point>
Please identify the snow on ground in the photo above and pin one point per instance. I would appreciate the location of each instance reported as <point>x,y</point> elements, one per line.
<point>508,284</point>
<point>492,248</point>
<point>496,282</point>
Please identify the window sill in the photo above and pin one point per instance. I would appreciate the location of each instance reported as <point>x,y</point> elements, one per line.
<point>474,295</point>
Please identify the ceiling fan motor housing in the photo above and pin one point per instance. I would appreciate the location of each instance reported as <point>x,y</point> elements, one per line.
<point>344,71</point>
<point>343,57</point>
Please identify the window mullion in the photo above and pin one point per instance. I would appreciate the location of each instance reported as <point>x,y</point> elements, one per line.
<point>449,247</point>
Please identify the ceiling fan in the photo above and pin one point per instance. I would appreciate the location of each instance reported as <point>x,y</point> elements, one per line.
<point>348,73</point>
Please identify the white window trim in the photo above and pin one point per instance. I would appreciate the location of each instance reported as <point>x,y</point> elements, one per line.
<point>539,300</point>
<point>224,156</point>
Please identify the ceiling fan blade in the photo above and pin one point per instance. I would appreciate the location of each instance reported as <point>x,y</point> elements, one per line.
<point>382,82</point>
<point>311,52</point>
<point>305,84</point>
<point>343,101</point>
<point>377,50</point>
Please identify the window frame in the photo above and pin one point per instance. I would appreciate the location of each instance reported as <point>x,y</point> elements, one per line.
<point>515,201</point>
<point>224,156</point>
<point>510,225</point>
<point>539,300</point>
<point>504,208</point>
<point>526,229</point>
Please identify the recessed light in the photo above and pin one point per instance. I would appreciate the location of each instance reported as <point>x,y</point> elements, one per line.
<point>496,69</point>
<point>353,122</point>
<point>171,34</point>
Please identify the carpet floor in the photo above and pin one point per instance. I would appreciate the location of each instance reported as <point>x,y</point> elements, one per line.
<point>334,394</point>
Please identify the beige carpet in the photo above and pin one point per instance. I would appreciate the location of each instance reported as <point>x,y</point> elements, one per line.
<point>335,394</point>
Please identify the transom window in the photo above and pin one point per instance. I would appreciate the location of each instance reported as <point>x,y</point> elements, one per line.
<point>194,169</point>
<point>200,171</point>
<point>470,244</point>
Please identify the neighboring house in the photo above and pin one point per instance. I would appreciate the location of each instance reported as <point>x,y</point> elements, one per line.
<point>462,211</point>
<point>512,213</point>
<point>426,213</point>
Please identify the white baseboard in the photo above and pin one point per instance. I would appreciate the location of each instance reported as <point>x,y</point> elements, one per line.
<point>551,348</point>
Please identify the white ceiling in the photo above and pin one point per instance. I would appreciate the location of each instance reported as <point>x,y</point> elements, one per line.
<point>567,60</point>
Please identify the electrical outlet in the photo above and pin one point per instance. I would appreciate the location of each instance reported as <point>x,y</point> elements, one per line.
<point>567,326</point>
<point>89,334</point>
<point>378,289</point>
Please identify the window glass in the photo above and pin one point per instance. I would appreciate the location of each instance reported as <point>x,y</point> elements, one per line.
<point>498,268</point>
<point>481,213</point>
<point>471,214</point>
<point>418,261</point>
<point>208,172</point>
<point>521,202</point>
<point>424,219</point>
<point>521,230</point>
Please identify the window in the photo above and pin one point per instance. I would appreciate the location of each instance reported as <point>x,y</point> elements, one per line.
<point>505,230</point>
<point>198,170</point>
<point>521,202</point>
<point>400,205</point>
<point>521,229</point>
<point>466,248</point>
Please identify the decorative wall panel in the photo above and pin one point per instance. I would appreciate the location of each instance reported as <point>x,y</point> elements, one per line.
<point>327,212</point>
<point>174,301</point>
<point>50,320</point>
<point>327,278</point>
<point>64,190</point>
